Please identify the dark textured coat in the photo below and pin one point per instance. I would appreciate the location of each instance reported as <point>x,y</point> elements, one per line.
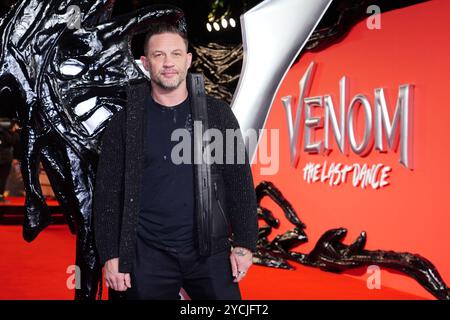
<point>230,218</point>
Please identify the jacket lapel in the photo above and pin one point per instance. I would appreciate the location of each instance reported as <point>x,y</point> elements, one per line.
<point>137,93</point>
<point>202,171</point>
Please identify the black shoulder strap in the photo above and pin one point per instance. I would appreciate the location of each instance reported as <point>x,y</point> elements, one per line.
<point>202,169</point>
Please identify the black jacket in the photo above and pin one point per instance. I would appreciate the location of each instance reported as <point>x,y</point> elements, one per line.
<point>225,201</point>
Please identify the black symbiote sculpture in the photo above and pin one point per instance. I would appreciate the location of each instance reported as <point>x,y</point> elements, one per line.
<point>67,63</point>
<point>329,253</point>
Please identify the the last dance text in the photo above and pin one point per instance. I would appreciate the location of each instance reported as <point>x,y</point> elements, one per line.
<point>360,175</point>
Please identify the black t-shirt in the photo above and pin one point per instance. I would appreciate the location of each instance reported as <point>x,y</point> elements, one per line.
<point>167,202</point>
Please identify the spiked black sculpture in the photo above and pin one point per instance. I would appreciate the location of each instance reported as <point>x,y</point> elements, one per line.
<point>68,65</point>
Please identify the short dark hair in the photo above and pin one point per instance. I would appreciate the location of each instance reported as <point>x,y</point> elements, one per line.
<point>159,28</point>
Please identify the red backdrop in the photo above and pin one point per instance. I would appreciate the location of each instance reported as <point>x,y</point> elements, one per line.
<point>413,212</point>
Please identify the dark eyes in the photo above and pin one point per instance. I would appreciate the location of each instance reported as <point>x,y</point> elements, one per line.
<point>158,55</point>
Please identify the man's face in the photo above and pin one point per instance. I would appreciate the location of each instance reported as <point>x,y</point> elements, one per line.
<point>167,60</point>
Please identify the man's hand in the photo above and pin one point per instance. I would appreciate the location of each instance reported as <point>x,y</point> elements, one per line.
<point>241,260</point>
<point>113,278</point>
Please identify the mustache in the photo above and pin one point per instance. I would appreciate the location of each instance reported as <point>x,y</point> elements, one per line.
<point>171,70</point>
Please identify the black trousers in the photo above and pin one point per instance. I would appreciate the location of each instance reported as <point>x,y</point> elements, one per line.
<point>159,273</point>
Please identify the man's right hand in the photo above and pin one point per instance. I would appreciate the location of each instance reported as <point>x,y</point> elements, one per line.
<point>113,278</point>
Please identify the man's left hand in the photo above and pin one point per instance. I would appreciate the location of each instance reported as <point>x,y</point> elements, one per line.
<point>241,260</point>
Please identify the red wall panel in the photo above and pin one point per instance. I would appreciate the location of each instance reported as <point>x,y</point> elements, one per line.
<point>412,213</point>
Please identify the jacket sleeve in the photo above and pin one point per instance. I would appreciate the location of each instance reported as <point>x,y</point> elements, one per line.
<point>239,188</point>
<point>108,191</point>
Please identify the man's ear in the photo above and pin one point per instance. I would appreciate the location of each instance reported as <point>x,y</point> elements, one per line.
<point>144,62</point>
<point>189,59</point>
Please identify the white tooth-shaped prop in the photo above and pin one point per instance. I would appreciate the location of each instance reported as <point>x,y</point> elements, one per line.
<point>71,67</point>
<point>85,106</point>
<point>274,32</point>
<point>96,119</point>
<point>141,67</point>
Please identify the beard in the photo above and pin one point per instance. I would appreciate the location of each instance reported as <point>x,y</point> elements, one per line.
<point>169,84</point>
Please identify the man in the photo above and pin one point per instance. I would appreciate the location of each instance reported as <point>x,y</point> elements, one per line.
<point>162,224</point>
